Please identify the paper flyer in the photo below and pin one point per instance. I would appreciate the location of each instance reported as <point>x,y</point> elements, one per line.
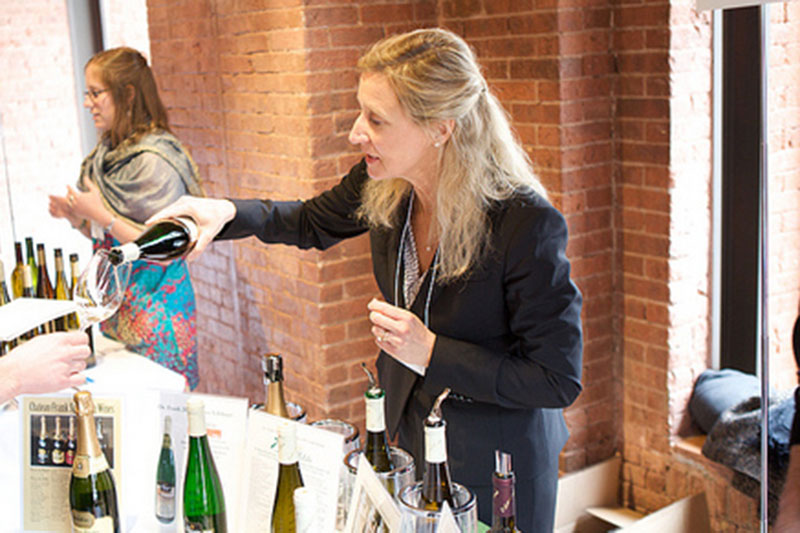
<point>47,455</point>
<point>320,456</point>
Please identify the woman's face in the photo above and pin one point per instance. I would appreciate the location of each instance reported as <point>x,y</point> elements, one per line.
<point>394,145</point>
<point>98,100</point>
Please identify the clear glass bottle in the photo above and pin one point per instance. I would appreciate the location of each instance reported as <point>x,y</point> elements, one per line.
<point>436,485</point>
<point>289,479</point>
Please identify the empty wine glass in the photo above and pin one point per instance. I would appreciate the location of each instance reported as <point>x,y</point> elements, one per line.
<point>100,289</point>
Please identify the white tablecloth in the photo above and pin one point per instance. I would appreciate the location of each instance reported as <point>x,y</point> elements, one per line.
<point>118,371</point>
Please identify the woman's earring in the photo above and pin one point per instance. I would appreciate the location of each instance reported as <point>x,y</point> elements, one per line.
<point>437,144</point>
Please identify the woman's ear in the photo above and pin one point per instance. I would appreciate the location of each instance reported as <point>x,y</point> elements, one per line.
<point>443,130</point>
<point>130,92</point>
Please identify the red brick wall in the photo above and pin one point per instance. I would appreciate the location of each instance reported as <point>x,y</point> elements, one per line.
<point>552,70</point>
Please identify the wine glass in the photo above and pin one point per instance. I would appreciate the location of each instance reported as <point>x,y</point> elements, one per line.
<point>100,289</point>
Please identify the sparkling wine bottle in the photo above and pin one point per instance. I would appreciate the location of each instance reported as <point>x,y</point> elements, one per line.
<point>289,479</point>
<point>203,500</point>
<point>58,446</point>
<point>165,240</point>
<point>436,485</point>
<point>17,278</point>
<point>165,477</point>
<point>60,290</point>
<point>92,493</point>
<point>42,444</point>
<point>69,454</point>
<point>376,448</point>
<point>503,504</point>
<point>31,260</point>
<point>275,401</point>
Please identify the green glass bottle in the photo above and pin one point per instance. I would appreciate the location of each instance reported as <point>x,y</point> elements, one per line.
<point>289,479</point>
<point>165,477</point>
<point>203,500</point>
<point>92,493</point>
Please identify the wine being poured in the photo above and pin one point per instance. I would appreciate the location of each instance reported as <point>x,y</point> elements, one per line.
<point>100,289</point>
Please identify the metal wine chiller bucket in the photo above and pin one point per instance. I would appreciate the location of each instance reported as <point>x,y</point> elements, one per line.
<point>402,475</point>
<point>416,519</point>
<point>352,441</point>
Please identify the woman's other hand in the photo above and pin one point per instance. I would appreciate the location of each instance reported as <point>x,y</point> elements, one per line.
<point>46,363</point>
<point>401,333</point>
<point>210,214</point>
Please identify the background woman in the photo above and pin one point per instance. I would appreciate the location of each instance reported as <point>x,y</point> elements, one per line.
<point>137,168</point>
<point>468,255</point>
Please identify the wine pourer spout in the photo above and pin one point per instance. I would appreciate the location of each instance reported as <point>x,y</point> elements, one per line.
<point>373,383</point>
<point>436,411</point>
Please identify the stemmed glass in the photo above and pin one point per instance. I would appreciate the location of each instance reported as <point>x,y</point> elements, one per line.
<point>100,288</point>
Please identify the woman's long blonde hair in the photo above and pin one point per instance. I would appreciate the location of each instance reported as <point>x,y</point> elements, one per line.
<point>436,77</point>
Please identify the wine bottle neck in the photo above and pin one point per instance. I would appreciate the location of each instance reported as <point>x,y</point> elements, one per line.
<point>197,422</point>
<point>435,444</point>
<point>275,399</point>
<point>88,444</point>
<point>376,421</point>
<point>287,444</point>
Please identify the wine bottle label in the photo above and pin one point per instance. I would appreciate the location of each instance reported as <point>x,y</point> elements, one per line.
<point>435,445</point>
<point>503,497</point>
<point>375,417</point>
<point>84,465</point>
<point>69,457</point>
<point>41,455</point>
<point>165,500</point>
<point>58,457</point>
<point>84,522</point>
<point>196,528</point>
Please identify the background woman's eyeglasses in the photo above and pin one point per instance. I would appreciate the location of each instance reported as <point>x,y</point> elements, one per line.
<point>94,93</point>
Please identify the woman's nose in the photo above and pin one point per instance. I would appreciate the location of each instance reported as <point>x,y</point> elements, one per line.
<point>357,135</point>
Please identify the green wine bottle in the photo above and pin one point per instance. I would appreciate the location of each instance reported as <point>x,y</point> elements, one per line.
<point>165,477</point>
<point>92,494</point>
<point>504,508</point>
<point>289,478</point>
<point>203,500</point>
<point>436,485</point>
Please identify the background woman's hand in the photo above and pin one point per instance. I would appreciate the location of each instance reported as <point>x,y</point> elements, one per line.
<point>79,205</point>
<point>401,333</point>
<point>210,214</point>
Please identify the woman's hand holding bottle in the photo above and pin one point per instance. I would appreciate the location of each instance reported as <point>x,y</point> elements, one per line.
<point>210,215</point>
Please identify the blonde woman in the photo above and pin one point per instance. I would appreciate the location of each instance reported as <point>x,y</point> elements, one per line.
<point>469,257</point>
